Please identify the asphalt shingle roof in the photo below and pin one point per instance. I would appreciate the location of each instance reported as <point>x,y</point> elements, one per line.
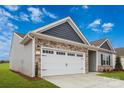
<point>120,51</point>
<point>97,42</point>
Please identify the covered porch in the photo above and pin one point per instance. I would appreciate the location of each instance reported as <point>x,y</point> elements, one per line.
<point>92,60</point>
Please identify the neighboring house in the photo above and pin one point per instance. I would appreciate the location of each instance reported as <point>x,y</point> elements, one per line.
<point>57,49</point>
<point>120,53</point>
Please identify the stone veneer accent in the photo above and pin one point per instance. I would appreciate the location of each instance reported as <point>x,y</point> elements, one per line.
<point>104,68</point>
<point>52,44</point>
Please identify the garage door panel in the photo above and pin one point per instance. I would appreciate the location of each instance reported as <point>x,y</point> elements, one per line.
<point>56,62</point>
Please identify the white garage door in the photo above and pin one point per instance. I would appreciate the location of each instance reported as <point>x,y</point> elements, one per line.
<point>60,62</point>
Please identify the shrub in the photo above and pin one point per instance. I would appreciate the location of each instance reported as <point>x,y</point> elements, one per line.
<point>36,70</point>
<point>118,65</point>
<point>104,70</point>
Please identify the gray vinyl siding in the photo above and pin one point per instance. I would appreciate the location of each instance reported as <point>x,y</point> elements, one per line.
<point>64,31</point>
<point>106,46</point>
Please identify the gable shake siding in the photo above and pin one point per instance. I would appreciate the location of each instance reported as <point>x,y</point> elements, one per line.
<point>64,31</point>
<point>106,46</point>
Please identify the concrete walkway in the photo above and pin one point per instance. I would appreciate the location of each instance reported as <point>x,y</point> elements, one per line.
<point>85,81</point>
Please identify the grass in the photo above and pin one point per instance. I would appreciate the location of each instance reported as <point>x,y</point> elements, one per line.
<point>115,75</point>
<point>9,79</point>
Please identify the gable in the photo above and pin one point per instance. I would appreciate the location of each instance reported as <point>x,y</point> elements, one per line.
<point>105,46</point>
<point>64,31</point>
<point>97,42</point>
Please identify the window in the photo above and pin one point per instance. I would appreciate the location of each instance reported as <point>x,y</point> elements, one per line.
<point>48,51</point>
<point>71,54</point>
<point>60,53</point>
<point>79,55</point>
<point>105,60</point>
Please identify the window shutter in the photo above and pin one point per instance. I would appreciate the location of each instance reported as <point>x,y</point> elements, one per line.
<point>101,59</point>
<point>109,60</point>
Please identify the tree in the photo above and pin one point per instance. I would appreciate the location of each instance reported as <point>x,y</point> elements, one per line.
<point>118,65</point>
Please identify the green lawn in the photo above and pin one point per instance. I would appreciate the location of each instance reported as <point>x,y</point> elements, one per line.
<point>9,79</point>
<point>115,75</point>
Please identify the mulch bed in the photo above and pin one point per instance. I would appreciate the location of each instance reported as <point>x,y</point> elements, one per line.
<point>27,77</point>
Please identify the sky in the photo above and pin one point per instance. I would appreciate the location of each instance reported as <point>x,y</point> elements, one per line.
<point>95,22</point>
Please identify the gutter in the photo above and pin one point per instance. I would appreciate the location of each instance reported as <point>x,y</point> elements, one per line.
<point>31,35</point>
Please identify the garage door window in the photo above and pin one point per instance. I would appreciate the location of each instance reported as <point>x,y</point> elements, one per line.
<point>79,55</point>
<point>71,54</point>
<point>60,53</point>
<point>48,51</point>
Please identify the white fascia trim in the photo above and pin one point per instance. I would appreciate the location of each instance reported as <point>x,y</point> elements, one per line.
<point>102,43</point>
<point>109,43</point>
<point>28,37</point>
<point>23,39</point>
<point>46,27</point>
<point>77,30</point>
<point>18,35</point>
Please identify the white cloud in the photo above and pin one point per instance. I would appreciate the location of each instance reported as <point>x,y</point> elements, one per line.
<point>11,26</point>
<point>74,9</point>
<point>24,17</point>
<point>49,14</point>
<point>85,7</point>
<point>107,27</point>
<point>77,8</point>
<point>12,7</point>
<point>100,27</point>
<point>36,14</point>
<point>95,25</point>
<point>6,27</point>
<point>3,12</point>
<point>6,24</point>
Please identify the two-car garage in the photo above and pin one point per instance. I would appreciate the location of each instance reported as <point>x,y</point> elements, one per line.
<point>60,62</point>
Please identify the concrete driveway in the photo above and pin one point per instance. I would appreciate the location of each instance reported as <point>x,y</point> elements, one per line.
<point>89,80</point>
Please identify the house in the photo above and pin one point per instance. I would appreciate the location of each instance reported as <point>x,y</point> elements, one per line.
<point>58,49</point>
<point>120,53</point>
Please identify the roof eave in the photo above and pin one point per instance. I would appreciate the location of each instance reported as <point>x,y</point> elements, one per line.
<point>51,38</point>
